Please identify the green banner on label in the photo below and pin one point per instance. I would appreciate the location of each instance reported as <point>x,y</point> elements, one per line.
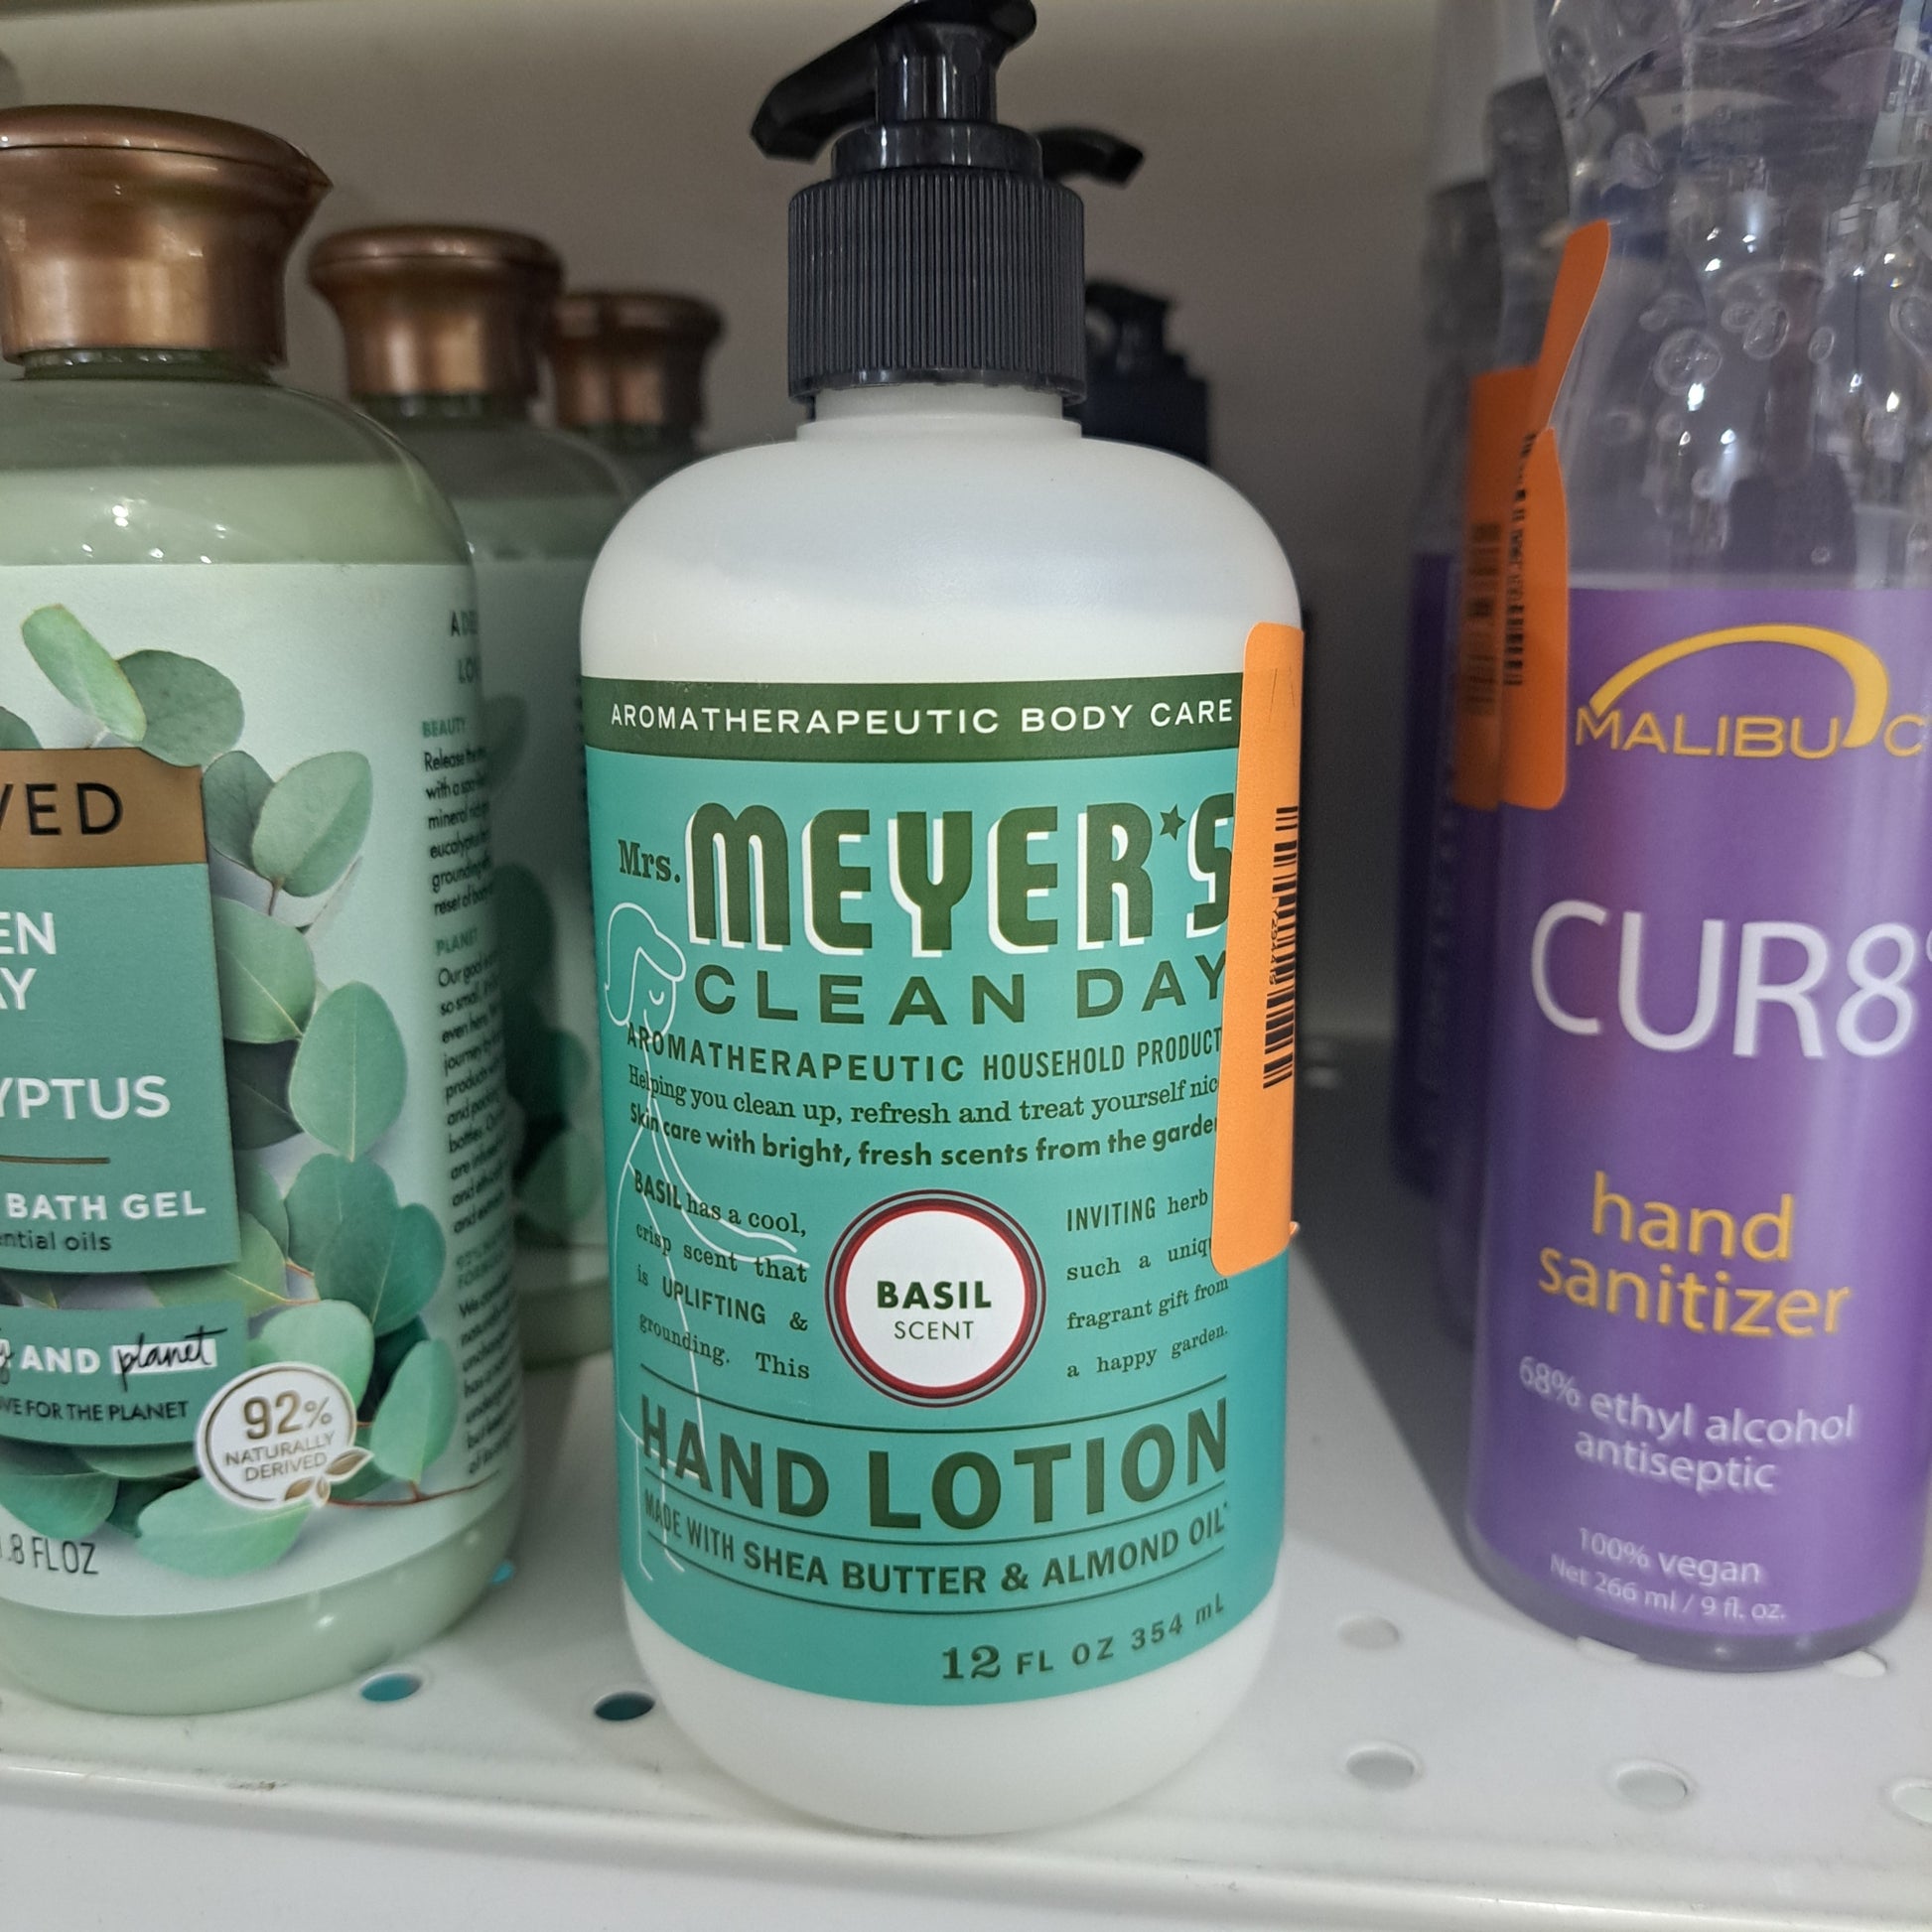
<point>115,1154</point>
<point>115,1377</point>
<point>914,724</point>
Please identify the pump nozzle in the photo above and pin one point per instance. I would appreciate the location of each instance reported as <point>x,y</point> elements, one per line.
<point>937,251</point>
<point>1067,152</point>
<point>916,88</point>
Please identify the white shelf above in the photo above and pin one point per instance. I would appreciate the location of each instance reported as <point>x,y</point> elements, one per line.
<point>494,1798</point>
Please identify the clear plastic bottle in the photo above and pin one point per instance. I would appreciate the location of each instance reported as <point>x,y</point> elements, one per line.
<point>191,555</point>
<point>1704,1406</point>
<point>1529,188</point>
<point>442,326</point>
<point>870,707</point>
<point>1461,296</point>
<point>629,374</point>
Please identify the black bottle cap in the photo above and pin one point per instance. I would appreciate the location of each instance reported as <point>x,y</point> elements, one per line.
<point>1138,390</point>
<point>939,250</point>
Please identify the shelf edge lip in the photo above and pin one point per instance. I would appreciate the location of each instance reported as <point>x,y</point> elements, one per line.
<point>1037,1872</point>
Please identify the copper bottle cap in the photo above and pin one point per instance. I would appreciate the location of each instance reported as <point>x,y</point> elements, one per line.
<point>125,229</point>
<point>633,357</point>
<point>438,310</point>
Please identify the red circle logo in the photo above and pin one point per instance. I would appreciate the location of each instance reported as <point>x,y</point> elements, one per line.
<point>935,1298</point>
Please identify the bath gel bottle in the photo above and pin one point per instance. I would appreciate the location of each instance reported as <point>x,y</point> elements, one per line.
<point>259,1423</point>
<point>950,1288</point>
<point>1460,297</point>
<point>628,372</point>
<point>1704,1404</point>
<point>443,328</point>
<point>1529,188</point>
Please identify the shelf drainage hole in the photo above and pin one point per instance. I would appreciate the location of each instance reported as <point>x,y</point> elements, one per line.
<point>1651,1787</point>
<point>623,1707</point>
<point>1368,1632</point>
<point>390,1685</point>
<point>501,1575</point>
<point>1383,1767</point>
<point>1912,1798</point>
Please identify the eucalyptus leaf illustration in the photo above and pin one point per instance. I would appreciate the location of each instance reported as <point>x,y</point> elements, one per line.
<point>194,712</point>
<point>134,1498</point>
<point>418,1415</point>
<point>350,1462</point>
<point>257,1195</point>
<point>81,669</point>
<point>141,1461</point>
<point>326,1334</point>
<point>324,914</point>
<point>257,1278</point>
<point>258,1094</point>
<point>390,1351</point>
<point>232,790</point>
<point>544,1067</point>
<point>562,1183</point>
<point>313,821</point>
<point>328,1191</point>
<point>389,1271</point>
<point>350,1489</point>
<point>266,976</point>
<point>506,726</point>
<point>52,1490</point>
<point>526,930</point>
<point>201,1534</point>
<point>349,1072</point>
<point>15,734</point>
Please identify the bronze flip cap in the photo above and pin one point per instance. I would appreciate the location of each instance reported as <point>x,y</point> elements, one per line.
<point>121,227</point>
<point>634,357</point>
<point>438,310</point>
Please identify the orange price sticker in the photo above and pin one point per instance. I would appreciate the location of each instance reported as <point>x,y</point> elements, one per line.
<point>1255,1108</point>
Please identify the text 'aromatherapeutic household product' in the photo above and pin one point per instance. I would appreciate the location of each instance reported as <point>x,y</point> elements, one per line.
<point>1704,1406</point>
<point>443,327</point>
<point>945,837</point>
<point>258,1390</point>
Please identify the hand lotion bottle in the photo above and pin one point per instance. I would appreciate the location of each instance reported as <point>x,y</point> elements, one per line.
<point>946,966</point>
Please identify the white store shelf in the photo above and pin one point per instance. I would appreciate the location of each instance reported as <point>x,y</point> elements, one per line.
<point>494,1798</point>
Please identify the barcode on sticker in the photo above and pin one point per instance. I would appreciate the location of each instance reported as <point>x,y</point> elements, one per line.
<point>1278,1034</point>
<point>1514,612</point>
<point>1482,575</point>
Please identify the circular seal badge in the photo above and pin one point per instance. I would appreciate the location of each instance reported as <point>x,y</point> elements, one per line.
<point>279,1434</point>
<point>936,1298</point>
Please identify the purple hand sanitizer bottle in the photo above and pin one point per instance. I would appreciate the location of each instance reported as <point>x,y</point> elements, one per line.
<point>1704,1404</point>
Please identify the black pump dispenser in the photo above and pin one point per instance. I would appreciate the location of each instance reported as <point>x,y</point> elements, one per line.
<point>1068,153</point>
<point>1138,390</point>
<point>939,251</point>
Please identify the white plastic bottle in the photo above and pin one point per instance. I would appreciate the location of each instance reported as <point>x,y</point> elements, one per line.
<point>950,1291</point>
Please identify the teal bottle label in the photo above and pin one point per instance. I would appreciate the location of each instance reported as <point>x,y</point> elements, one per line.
<point>114,1147</point>
<point>929,1389</point>
<point>256,1337</point>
